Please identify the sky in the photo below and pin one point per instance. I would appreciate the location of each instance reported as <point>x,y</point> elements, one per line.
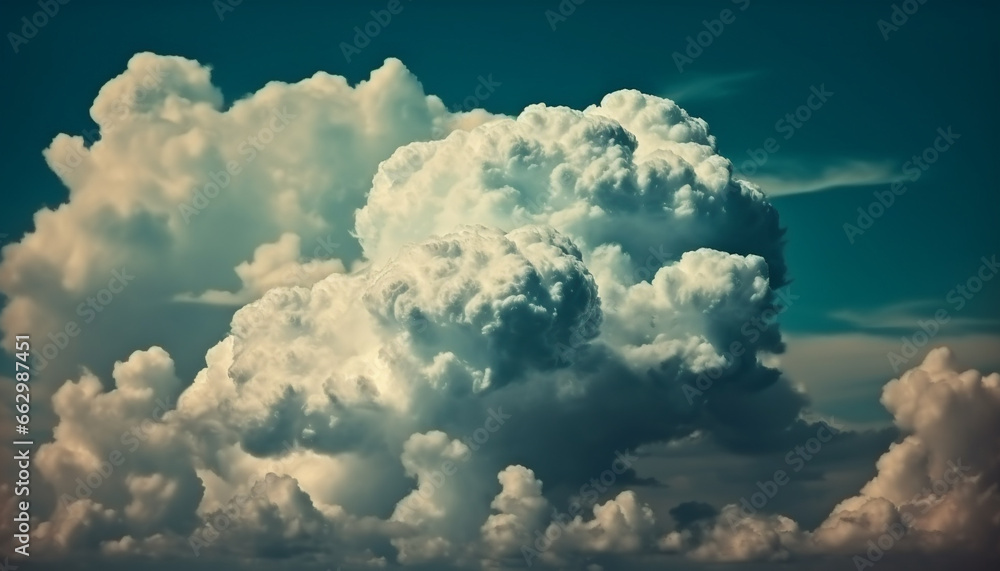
<point>427,212</point>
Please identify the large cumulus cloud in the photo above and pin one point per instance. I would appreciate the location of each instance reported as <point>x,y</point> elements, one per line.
<point>201,199</point>
<point>465,319</point>
<point>455,329</point>
<point>364,382</point>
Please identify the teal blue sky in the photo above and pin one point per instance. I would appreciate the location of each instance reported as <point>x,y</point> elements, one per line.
<point>890,95</point>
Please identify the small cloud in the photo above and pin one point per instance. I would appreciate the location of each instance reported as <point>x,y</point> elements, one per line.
<point>815,418</point>
<point>851,173</point>
<point>709,85</point>
<point>907,317</point>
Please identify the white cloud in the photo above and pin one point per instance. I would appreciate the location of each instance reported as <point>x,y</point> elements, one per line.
<point>636,171</point>
<point>734,537</point>
<point>843,174</point>
<point>274,176</point>
<point>940,481</point>
<point>276,264</point>
<point>935,490</point>
<point>350,386</point>
<point>401,394</point>
<point>709,85</point>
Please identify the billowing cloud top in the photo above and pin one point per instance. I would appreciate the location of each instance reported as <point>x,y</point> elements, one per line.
<point>636,172</point>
